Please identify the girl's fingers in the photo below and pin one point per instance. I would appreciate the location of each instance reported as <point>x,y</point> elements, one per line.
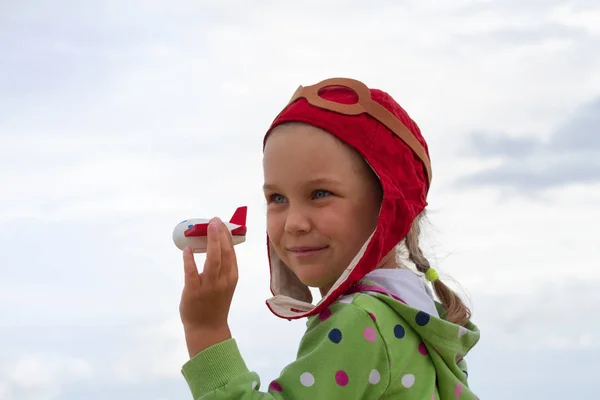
<point>228,259</point>
<point>212,264</point>
<point>189,267</point>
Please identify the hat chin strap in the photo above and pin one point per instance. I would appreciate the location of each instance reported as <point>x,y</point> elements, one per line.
<point>291,296</point>
<point>284,282</point>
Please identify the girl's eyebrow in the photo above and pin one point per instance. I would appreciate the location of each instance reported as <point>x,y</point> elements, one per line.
<point>323,181</point>
<point>311,182</point>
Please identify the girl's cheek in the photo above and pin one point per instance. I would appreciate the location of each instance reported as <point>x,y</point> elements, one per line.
<point>274,225</point>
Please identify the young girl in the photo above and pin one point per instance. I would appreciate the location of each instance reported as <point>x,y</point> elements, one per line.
<point>346,179</point>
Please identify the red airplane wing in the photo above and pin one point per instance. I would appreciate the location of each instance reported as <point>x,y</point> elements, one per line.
<point>238,218</point>
<point>197,230</point>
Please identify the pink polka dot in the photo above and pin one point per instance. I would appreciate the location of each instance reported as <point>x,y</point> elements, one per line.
<point>422,349</point>
<point>326,313</point>
<point>341,378</point>
<point>372,317</point>
<point>370,334</point>
<point>458,390</point>
<point>432,396</point>
<point>275,386</point>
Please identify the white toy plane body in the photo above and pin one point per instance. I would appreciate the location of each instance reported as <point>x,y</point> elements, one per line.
<point>193,232</point>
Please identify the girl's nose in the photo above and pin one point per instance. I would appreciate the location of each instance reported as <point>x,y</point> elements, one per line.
<point>296,221</point>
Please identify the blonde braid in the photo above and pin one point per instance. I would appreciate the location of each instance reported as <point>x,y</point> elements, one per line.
<point>457,311</point>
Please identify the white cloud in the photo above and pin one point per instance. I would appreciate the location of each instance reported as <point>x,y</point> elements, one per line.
<point>154,352</point>
<point>587,19</point>
<point>115,139</point>
<point>41,376</point>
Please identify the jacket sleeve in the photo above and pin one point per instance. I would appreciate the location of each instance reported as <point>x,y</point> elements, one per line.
<point>341,356</point>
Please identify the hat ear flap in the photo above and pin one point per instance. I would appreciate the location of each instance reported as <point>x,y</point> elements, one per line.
<point>285,282</point>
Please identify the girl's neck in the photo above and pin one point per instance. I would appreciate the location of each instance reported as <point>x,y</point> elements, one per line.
<point>387,262</point>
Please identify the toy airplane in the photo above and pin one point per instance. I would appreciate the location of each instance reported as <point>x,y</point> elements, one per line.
<point>193,232</point>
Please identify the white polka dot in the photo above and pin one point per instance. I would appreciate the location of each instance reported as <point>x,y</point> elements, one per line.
<point>307,379</point>
<point>346,299</point>
<point>462,331</point>
<point>408,380</point>
<point>374,377</point>
<point>254,385</point>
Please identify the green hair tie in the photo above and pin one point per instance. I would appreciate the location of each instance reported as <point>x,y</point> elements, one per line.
<point>431,275</point>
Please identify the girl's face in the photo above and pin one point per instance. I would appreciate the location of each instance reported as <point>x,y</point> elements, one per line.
<point>322,202</point>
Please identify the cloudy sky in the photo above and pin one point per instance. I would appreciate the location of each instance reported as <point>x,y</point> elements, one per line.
<point>118,119</point>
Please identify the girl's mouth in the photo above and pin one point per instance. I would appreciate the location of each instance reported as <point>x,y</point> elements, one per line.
<point>305,251</point>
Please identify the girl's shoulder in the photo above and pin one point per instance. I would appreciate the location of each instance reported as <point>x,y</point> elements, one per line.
<point>419,346</point>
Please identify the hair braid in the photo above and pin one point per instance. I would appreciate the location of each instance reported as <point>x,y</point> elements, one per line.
<point>457,311</point>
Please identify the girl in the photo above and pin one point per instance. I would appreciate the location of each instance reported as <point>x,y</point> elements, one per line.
<point>346,179</point>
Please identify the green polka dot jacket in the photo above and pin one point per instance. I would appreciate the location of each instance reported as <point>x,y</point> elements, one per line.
<point>367,345</point>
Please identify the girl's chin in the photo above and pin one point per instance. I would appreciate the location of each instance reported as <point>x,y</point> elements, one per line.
<point>312,274</point>
<point>314,281</point>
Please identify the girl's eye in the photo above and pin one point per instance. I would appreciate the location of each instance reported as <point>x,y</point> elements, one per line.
<point>276,198</point>
<point>319,194</point>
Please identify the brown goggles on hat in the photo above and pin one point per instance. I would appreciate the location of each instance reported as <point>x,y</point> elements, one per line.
<point>365,104</point>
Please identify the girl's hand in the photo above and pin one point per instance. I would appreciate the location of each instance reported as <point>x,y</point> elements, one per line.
<point>206,296</point>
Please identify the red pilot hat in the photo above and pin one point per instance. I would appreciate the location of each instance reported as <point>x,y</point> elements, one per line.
<point>378,128</point>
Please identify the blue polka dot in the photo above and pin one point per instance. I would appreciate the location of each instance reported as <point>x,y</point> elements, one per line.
<point>189,226</point>
<point>422,318</point>
<point>335,335</point>
<point>399,331</point>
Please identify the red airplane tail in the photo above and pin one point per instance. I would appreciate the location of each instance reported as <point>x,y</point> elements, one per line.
<point>239,216</point>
